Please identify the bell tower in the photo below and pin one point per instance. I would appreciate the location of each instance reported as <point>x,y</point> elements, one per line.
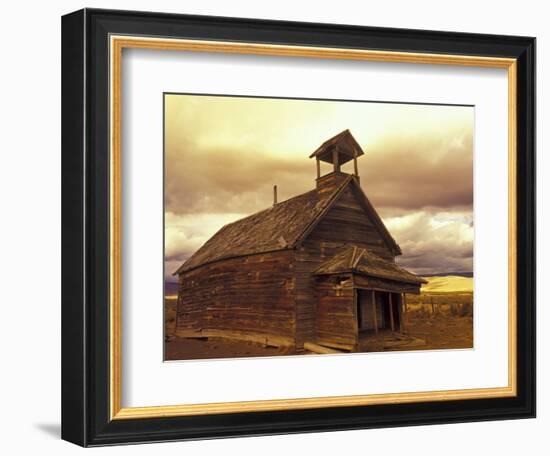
<point>337,150</point>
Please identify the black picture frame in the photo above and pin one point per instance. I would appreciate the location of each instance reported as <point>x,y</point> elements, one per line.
<point>85,228</point>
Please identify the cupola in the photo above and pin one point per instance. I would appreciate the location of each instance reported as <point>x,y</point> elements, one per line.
<point>337,150</point>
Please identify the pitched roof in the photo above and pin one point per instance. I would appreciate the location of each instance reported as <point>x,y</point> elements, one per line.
<point>354,259</point>
<point>346,144</point>
<point>276,228</point>
<point>279,227</point>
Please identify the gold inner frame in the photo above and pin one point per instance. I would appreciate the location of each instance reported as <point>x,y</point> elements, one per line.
<point>117,44</point>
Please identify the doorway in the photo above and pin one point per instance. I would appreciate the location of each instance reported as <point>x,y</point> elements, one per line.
<point>374,312</point>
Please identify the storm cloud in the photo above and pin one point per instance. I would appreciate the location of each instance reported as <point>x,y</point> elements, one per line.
<point>224,154</point>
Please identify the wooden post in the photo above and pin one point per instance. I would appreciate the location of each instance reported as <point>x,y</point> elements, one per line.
<point>432,303</point>
<point>391,312</point>
<point>355,162</point>
<point>177,307</point>
<point>374,312</point>
<point>274,195</point>
<point>318,168</point>
<point>403,311</point>
<point>358,315</point>
<point>335,160</point>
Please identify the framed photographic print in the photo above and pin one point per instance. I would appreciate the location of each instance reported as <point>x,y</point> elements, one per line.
<point>279,227</point>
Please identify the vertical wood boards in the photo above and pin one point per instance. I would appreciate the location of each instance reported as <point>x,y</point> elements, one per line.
<point>336,312</point>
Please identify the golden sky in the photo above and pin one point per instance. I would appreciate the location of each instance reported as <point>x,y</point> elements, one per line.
<point>224,154</point>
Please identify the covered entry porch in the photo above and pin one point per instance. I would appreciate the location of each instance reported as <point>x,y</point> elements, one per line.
<point>380,305</point>
<point>360,300</point>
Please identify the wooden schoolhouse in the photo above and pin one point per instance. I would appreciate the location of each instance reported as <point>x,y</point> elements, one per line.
<point>318,268</point>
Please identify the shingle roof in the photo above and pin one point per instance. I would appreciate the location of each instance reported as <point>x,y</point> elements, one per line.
<point>354,259</point>
<point>276,228</point>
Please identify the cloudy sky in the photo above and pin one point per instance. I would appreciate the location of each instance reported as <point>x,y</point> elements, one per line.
<point>224,154</point>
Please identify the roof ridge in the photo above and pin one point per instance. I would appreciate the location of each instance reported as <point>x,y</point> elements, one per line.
<point>269,208</point>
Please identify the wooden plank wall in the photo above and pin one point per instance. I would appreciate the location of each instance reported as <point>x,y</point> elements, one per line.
<point>253,294</point>
<point>346,222</point>
<point>336,312</point>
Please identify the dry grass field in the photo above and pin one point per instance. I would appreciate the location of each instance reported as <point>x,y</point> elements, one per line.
<point>441,320</point>
<point>170,304</point>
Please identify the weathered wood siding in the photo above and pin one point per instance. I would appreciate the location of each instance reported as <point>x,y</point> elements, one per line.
<point>246,295</point>
<point>346,222</point>
<point>336,312</point>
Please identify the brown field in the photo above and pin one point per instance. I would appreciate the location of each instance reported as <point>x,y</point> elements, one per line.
<point>433,320</point>
<point>442,320</point>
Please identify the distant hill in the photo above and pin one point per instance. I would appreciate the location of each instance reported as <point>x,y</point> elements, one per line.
<point>445,274</point>
<point>170,288</point>
<point>449,284</point>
